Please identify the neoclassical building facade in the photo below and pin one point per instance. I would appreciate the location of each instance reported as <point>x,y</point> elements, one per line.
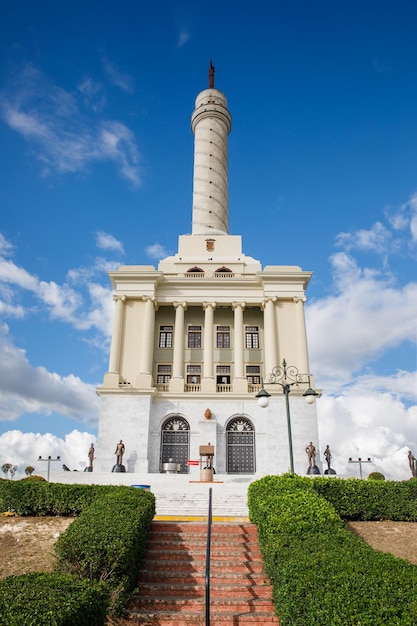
<point>194,338</point>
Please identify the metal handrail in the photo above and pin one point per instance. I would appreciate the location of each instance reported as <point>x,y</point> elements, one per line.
<point>208,547</point>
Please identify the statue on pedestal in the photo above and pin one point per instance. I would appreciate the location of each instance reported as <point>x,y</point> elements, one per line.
<point>328,456</point>
<point>311,453</point>
<point>412,462</point>
<point>91,453</point>
<point>120,449</point>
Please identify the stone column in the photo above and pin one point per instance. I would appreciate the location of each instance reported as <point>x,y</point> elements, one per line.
<point>239,382</point>
<point>177,381</point>
<point>112,378</point>
<point>302,349</point>
<point>270,336</point>
<point>208,383</point>
<point>148,338</point>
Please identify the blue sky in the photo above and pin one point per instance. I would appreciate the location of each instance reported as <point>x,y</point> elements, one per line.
<point>96,171</point>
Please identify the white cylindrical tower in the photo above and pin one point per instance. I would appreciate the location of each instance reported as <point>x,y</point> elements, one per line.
<point>211,123</point>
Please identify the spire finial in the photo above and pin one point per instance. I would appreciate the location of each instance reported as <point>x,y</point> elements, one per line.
<point>211,75</point>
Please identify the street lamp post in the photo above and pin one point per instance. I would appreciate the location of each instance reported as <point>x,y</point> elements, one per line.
<point>287,376</point>
<point>360,462</point>
<point>49,461</point>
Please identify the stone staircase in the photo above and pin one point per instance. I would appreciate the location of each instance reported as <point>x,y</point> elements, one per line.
<point>171,590</point>
<point>226,503</point>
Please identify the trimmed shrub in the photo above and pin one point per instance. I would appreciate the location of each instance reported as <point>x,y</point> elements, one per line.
<point>108,540</point>
<point>376,476</point>
<point>52,600</point>
<point>31,496</point>
<point>322,573</point>
<point>356,499</point>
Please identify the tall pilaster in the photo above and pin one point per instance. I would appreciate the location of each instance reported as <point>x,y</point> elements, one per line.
<point>208,382</point>
<point>270,336</point>
<point>146,355</point>
<point>239,382</point>
<point>211,123</point>
<point>301,334</point>
<point>177,381</point>
<point>112,377</point>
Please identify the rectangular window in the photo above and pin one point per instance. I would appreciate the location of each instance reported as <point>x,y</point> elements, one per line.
<point>253,374</point>
<point>165,336</point>
<point>164,374</point>
<point>194,336</point>
<point>193,374</point>
<point>252,337</point>
<point>223,336</point>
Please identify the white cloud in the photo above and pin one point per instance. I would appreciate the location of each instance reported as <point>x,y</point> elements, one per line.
<point>28,389</point>
<point>367,316</point>
<point>117,77</point>
<point>184,36</point>
<point>105,241</point>
<point>23,449</point>
<point>64,138</point>
<point>375,239</point>
<point>156,251</point>
<point>81,302</point>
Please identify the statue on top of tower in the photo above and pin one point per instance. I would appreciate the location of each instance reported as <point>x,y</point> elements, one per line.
<point>211,75</point>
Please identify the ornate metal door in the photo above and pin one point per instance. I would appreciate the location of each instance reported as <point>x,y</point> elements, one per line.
<point>175,442</point>
<point>240,446</point>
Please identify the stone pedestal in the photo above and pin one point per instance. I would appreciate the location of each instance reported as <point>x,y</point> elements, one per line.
<point>118,468</point>
<point>313,470</point>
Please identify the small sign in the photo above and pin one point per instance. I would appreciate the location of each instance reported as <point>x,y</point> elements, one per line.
<point>193,462</point>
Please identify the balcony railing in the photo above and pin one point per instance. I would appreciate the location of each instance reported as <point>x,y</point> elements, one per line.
<point>223,388</point>
<point>192,387</point>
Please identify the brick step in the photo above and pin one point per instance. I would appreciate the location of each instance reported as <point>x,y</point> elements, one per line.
<point>240,605</point>
<point>201,528</point>
<point>186,550</point>
<point>169,618</point>
<point>199,578</point>
<point>217,590</point>
<point>199,566</point>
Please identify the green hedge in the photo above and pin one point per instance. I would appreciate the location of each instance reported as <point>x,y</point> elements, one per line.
<point>320,572</point>
<point>33,497</point>
<point>52,600</point>
<point>108,540</point>
<point>99,555</point>
<point>356,499</point>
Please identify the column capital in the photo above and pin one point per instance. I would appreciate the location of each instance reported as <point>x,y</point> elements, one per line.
<point>151,299</point>
<point>119,298</point>
<point>265,301</point>
<point>236,305</point>
<point>206,305</point>
<point>299,299</point>
<point>178,304</point>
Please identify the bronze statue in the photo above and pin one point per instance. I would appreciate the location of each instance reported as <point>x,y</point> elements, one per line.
<point>327,456</point>
<point>311,453</point>
<point>412,462</point>
<point>120,448</point>
<point>91,455</point>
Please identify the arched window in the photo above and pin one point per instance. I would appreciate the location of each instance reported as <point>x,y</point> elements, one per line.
<point>195,270</point>
<point>175,442</point>
<point>223,270</point>
<point>240,446</point>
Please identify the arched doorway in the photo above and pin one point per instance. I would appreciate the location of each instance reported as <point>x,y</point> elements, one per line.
<point>175,438</point>
<point>240,445</point>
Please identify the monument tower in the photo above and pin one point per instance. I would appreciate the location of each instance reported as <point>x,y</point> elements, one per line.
<point>193,339</point>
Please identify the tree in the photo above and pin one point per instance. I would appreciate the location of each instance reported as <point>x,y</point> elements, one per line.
<point>13,471</point>
<point>5,468</point>
<point>29,470</point>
